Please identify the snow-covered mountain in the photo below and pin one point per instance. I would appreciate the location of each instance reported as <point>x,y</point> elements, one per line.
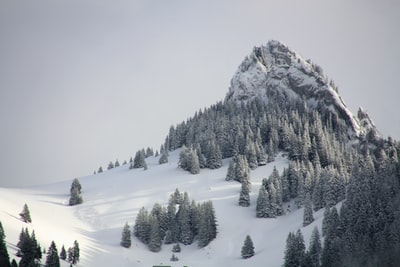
<point>114,197</point>
<point>275,69</point>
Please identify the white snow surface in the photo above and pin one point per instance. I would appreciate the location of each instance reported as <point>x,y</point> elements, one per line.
<point>115,197</point>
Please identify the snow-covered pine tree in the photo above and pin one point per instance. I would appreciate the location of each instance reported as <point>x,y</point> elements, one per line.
<point>163,158</point>
<point>244,197</point>
<point>25,214</point>
<point>142,227</point>
<point>315,248</point>
<point>139,160</point>
<point>63,253</point>
<point>262,202</point>
<point>75,190</point>
<point>155,237</point>
<point>126,236</point>
<point>247,248</point>
<point>230,175</point>
<point>110,166</point>
<point>308,212</point>
<point>52,259</point>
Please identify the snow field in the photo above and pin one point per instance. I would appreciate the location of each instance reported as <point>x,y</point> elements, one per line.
<point>114,197</point>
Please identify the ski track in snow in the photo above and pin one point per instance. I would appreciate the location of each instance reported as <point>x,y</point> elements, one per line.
<point>115,197</point>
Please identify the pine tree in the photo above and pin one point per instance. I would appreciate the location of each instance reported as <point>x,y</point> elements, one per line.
<point>4,257</point>
<point>110,166</point>
<point>155,238</point>
<point>308,212</point>
<point>163,158</point>
<point>126,236</point>
<point>100,170</point>
<point>116,164</point>
<point>75,252</point>
<point>75,190</point>
<point>247,248</point>
<point>52,259</point>
<point>25,214</point>
<point>315,248</point>
<point>76,185</point>
<point>262,202</point>
<point>75,198</point>
<point>63,253</point>
<point>231,171</point>
<point>244,198</point>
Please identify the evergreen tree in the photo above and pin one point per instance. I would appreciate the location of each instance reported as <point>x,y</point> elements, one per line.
<point>52,259</point>
<point>4,257</point>
<point>262,202</point>
<point>155,237</point>
<point>75,190</point>
<point>75,198</point>
<point>100,170</point>
<point>315,248</point>
<point>308,212</point>
<point>295,250</point>
<point>76,185</point>
<point>63,253</point>
<point>116,164</point>
<point>231,171</point>
<point>163,158</point>
<point>207,225</point>
<point>75,253</point>
<point>110,166</point>
<point>247,248</point>
<point>142,226</point>
<point>138,161</point>
<point>25,214</point>
<point>244,198</point>
<point>126,236</point>
<point>176,248</point>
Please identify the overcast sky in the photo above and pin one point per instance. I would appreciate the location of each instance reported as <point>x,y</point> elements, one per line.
<point>83,82</point>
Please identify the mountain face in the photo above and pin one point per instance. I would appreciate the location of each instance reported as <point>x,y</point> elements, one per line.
<point>275,69</point>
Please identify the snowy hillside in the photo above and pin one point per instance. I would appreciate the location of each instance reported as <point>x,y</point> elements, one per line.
<point>115,197</point>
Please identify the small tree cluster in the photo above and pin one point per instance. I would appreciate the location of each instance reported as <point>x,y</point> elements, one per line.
<point>28,249</point>
<point>189,160</point>
<point>181,221</point>
<point>296,254</point>
<point>75,190</point>
<point>139,160</point>
<point>269,200</point>
<point>73,253</point>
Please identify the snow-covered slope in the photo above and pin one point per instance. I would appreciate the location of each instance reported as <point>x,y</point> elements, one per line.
<point>275,69</point>
<point>115,197</point>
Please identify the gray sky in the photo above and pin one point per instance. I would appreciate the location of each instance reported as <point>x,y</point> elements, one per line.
<point>86,82</point>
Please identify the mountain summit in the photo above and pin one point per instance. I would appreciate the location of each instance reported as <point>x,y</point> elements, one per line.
<point>274,69</point>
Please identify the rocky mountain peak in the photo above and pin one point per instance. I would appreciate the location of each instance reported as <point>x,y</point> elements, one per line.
<point>275,69</point>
